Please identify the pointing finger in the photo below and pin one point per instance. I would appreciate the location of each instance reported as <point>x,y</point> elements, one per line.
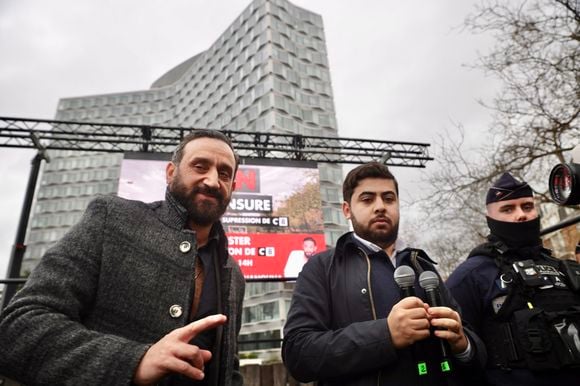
<point>193,329</point>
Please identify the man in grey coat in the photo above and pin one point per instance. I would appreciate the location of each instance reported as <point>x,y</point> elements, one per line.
<point>137,293</point>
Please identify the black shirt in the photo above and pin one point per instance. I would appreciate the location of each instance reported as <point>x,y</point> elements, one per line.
<point>207,306</point>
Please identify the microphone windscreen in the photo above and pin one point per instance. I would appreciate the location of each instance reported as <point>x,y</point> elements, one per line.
<point>428,280</point>
<point>404,276</point>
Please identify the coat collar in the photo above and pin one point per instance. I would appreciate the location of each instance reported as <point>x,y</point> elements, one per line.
<point>349,243</point>
<point>172,213</point>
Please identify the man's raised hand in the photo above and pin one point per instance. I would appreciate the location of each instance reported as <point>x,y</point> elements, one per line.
<point>174,354</point>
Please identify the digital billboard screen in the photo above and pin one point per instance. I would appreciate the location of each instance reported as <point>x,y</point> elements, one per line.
<point>273,222</point>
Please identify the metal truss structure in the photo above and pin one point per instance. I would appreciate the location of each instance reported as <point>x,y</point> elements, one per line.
<point>118,138</point>
<point>45,135</point>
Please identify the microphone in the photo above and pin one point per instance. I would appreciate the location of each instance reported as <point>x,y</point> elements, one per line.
<point>405,278</point>
<point>429,281</point>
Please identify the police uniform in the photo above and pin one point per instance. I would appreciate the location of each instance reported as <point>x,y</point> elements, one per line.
<point>521,301</point>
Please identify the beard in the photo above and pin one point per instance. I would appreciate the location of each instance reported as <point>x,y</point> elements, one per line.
<point>381,237</point>
<point>202,212</point>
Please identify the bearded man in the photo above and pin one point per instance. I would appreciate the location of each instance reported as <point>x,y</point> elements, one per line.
<point>137,293</point>
<point>347,323</point>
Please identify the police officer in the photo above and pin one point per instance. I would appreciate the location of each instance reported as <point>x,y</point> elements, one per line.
<point>521,301</point>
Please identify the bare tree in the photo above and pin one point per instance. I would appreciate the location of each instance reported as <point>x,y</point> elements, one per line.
<point>535,115</point>
<point>537,58</point>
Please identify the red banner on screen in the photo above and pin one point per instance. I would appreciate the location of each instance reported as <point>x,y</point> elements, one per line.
<point>272,256</point>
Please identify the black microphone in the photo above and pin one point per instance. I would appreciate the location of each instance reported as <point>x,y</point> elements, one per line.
<point>429,281</point>
<point>405,278</point>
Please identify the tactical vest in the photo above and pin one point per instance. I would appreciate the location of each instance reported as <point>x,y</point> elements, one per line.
<point>538,325</point>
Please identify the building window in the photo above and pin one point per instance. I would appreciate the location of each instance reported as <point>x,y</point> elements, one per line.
<point>256,337</point>
<point>332,237</point>
<point>261,312</point>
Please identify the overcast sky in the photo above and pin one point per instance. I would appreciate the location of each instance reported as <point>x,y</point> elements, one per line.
<point>397,68</point>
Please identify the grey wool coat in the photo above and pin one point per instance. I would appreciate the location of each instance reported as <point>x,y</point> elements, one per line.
<point>101,297</point>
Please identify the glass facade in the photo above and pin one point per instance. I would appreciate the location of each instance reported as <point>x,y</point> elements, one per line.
<point>268,72</point>
<point>265,308</point>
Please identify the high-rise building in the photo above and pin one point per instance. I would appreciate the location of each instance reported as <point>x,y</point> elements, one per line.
<point>268,72</point>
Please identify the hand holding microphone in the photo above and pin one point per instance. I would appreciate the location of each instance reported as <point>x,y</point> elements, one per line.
<point>408,321</point>
<point>404,276</point>
<point>429,281</point>
<point>447,322</point>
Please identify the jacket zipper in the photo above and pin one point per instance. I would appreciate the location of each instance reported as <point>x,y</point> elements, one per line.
<point>369,284</point>
<point>373,309</point>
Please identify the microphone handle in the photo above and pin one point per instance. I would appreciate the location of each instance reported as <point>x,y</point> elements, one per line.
<point>433,297</point>
<point>408,291</point>
<point>434,301</point>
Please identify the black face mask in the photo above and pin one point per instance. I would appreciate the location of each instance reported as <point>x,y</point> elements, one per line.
<point>516,234</point>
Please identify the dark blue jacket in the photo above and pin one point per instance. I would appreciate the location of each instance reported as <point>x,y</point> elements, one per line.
<point>475,284</point>
<point>332,334</point>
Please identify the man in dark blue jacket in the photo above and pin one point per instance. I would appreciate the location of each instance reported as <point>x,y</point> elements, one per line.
<point>518,298</point>
<point>347,323</point>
